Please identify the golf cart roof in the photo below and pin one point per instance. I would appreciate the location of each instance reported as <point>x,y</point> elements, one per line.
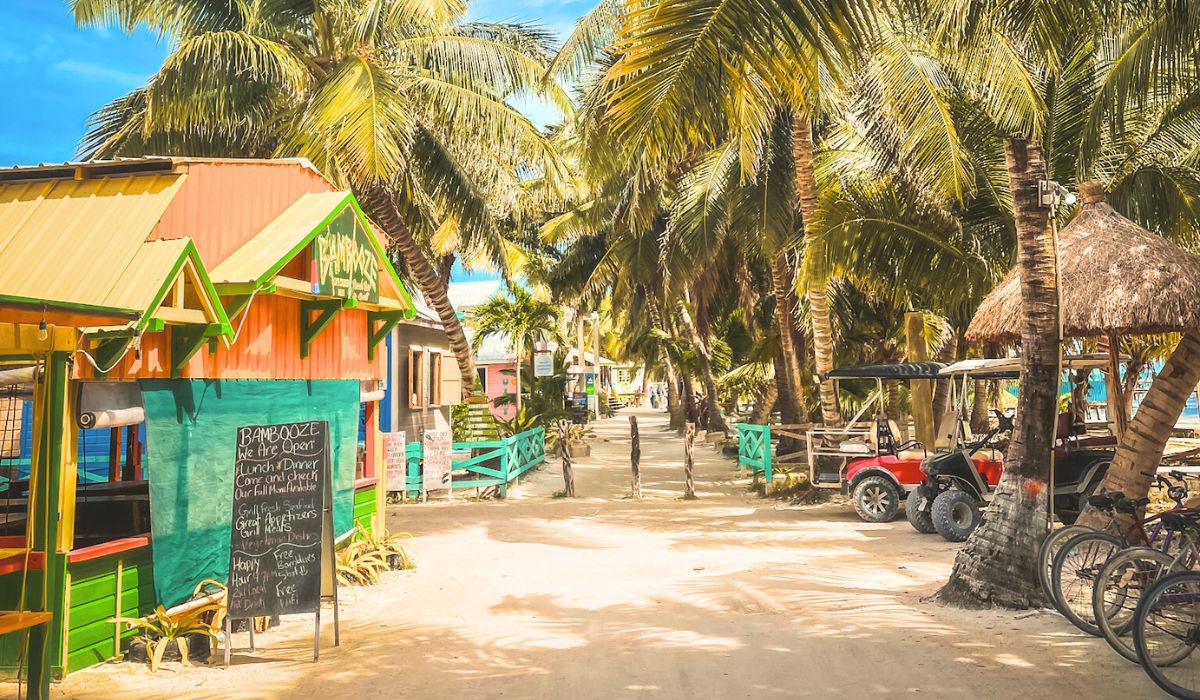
<point>903,370</point>
<point>1010,367</point>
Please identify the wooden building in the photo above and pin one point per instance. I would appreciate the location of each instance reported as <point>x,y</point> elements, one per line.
<point>237,292</point>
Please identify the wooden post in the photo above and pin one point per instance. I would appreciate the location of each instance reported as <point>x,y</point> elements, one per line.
<point>564,430</point>
<point>689,438</point>
<point>635,456</point>
<point>920,390</point>
<point>1115,391</point>
<point>114,453</point>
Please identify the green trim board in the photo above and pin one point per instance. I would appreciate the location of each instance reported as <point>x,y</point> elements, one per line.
<point>50,305</point>
<point>236,280</point>
<point>190,253</point>
<point>375,336</point>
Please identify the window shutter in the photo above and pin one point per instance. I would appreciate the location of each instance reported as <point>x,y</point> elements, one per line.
<point>412,378</point>
<point>435,378</point>
<point>450,380</point>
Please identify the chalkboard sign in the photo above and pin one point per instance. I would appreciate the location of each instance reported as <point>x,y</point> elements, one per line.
<point>278,510</point>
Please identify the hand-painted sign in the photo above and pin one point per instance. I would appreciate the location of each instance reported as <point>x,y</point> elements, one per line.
<point>436,460</point>
<point>343,260</point>
<point>278,512</point>
<point>590,379</point>
<point>543,364</point>
<point>395,447</point>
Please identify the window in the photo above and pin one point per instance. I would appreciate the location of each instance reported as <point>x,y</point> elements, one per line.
<point>416,378</point>
<point>482,371</point>
<point>435,378</point>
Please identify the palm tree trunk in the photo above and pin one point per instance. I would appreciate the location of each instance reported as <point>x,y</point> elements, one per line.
<point>979,408</point>
<point>816,289</point>
<point>998,563</point>
<point>674,408</point>
<point>793,374</point>
<point>941,388</point>
<point>762,410</point>
<point>715,420</point>
<point>1136,461</point>
<point>382,210</point>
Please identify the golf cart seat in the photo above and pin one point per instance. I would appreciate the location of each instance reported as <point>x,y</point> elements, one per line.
<point>914,455</point>
<point>946,438</point>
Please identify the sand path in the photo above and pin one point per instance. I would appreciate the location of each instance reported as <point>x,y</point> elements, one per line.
<point>728,596</point>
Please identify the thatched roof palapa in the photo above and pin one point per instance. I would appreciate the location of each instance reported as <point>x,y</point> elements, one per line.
<point>1117,279</point>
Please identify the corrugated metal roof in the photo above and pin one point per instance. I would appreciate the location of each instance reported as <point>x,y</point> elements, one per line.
<point>72,240</point>
<point>145,274</point>
<point>278,240</point>
<point>467,295</point>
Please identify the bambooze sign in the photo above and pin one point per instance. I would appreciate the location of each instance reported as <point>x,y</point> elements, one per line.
<point>344,262</point>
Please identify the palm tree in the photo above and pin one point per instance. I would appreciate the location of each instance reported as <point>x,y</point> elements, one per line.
<point>1062,83</point>
<point>405,103</point>
<point>523,319</point>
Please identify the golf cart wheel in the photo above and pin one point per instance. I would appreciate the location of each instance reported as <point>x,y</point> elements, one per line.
<point>920,518</point>
<point>876,499</point>
<point>955,514</point>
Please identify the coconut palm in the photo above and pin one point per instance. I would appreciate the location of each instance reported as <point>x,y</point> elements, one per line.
<point>523,319</point>
<point>404,102</point>
<point>1037,72</point>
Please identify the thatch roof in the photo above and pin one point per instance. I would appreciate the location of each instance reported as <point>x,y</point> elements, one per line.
<point>1117,279</point>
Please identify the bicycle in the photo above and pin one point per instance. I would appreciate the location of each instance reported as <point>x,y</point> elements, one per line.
<point>1055,541</point>
<point>1166,631</point>
<point>1121,582</point>
<point>1084,554</point>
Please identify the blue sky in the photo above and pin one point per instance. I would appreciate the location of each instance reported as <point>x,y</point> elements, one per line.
<point>55,75</point>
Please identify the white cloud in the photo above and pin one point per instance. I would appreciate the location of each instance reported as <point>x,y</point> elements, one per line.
<point>91,71</point>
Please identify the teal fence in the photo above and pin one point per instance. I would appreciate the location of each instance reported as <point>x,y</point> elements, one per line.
<point>754,449</point>
<point>488,462</point>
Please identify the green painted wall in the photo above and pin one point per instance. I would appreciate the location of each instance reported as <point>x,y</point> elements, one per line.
<point>94,602</point>
<point>364,507</point>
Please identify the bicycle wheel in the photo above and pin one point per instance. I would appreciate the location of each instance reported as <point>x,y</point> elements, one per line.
<point>1075,568</point>
<point>1166,631</point>
<point>1051,546</point>
<point>1119,587</point>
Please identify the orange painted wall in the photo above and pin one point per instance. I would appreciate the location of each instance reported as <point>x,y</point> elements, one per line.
<point>267,348</point>
<point>222,204</point>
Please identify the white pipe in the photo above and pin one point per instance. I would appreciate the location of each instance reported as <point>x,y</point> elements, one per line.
<point>20,375</point>
<point>90,420</point>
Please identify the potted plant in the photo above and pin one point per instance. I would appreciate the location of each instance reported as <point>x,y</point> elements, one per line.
<point>182,637</point>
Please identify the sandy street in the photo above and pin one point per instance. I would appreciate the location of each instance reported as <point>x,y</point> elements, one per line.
<point>728,596</point>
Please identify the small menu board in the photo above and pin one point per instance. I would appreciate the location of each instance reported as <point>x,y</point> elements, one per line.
<point>395,448</point>
<point>278,512</point>
<point>436,460</point>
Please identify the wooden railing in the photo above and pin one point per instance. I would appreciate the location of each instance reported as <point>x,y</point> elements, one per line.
<point>488,462</point>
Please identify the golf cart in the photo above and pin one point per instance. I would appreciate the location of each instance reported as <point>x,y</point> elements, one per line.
<point>868,459</point>
<point>958,483</point>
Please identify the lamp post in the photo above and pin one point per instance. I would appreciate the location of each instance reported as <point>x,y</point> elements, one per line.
<point>1050,195</point>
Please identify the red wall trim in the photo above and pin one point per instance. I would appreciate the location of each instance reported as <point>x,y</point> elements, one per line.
<point>363,483</point>
<point>13,564</point>
<point>104,548</point>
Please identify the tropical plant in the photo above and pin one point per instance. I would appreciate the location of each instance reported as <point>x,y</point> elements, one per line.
<point>162,630</point>
<point>576,434</point>
<point>523,320</point>
<point>368,555</point>
<point>405,103</point>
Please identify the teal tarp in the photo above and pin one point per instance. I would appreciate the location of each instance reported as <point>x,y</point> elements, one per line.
<point>190,429</point>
